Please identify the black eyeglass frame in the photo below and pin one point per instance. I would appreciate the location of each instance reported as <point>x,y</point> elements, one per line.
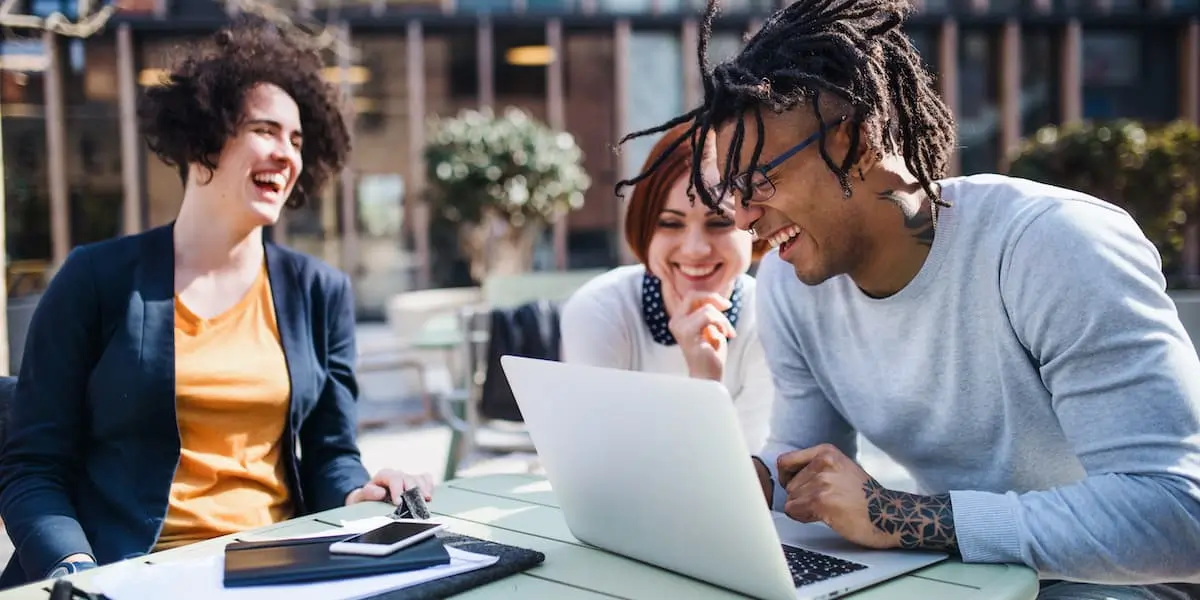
<point>764,189</point>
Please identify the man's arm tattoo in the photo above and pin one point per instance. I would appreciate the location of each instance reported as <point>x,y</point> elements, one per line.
<point>917,221</point>
<point>923,522</point>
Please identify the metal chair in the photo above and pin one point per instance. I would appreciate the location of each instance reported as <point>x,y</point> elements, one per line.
<point>471,433</point>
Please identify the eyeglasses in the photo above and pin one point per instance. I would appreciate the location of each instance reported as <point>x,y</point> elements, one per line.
<point>757,179</point>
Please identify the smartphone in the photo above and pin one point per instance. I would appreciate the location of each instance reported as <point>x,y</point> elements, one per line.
<point>387,539</point>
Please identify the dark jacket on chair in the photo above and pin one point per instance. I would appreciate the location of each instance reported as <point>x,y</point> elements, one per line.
<point>93,441</point>
<point>530,330</point>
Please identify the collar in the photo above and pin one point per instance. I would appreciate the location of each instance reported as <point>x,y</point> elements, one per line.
<point>654,312</point>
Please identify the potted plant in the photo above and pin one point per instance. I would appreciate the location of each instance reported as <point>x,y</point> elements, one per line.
<point>499,181</point>
<point>1151,172</point>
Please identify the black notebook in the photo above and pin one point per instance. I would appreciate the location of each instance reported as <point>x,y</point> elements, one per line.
<point>304,560</point>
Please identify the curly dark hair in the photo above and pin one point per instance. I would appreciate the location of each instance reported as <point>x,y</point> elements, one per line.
<point>200,105</point>
<point>848,55</point>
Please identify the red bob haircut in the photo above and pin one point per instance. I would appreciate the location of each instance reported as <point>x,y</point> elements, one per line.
<point>650,195</point>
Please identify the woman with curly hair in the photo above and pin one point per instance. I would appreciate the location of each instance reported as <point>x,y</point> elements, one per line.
<point>194,380</point>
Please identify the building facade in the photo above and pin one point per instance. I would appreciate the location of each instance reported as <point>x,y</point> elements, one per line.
<point>76,170</point>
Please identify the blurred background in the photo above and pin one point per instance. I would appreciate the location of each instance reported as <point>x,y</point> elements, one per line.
<point>1102,95</point>
<point>75,172</point>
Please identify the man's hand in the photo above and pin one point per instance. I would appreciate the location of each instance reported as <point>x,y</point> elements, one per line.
<point>702,332</point>
<point>391,482</point>
<point>823,484</point>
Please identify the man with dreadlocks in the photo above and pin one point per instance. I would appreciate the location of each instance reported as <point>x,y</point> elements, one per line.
<point>1010,343</point>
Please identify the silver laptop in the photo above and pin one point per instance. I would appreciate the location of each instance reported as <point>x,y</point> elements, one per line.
<point>654,467</point>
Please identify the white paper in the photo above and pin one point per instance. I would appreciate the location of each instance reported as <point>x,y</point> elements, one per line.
<point>202,578</point>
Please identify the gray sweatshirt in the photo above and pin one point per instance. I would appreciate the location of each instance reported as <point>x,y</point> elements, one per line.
<point>1035,368</point>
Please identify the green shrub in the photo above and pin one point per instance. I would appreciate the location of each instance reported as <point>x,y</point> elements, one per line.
<point>1153,173</point>
<point>511,164</point>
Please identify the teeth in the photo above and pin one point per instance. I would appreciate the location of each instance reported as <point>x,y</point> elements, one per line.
<point>275,179</point>
<point>697,271</point>
<point>785,235</point>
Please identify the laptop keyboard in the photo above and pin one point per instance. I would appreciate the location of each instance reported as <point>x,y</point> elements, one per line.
<point>810,567</point>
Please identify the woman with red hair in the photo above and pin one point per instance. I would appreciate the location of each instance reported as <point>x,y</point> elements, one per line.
<point>688,307</point>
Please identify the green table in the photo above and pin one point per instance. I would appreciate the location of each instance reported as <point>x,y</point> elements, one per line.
<point>522,510</point>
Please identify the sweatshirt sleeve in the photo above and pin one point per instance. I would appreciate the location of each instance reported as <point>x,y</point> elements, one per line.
<point>801,415</point>
<point>1086,296</point>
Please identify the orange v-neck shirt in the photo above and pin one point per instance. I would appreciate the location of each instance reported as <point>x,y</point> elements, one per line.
<point>232,398</point>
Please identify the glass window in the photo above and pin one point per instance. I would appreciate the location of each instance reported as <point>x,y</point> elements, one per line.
<point>591,118</point>
<point>1039,98</point>
<point>1130,74</point>
<point>978,122</point>
<point>653,57</point>
<point>93,136</point>
<point>724,45</point>
<point>925,40</point>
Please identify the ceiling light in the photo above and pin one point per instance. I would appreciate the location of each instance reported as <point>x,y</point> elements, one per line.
<point>356,75</point>
<point>530,56</point>
<point>152,77</point>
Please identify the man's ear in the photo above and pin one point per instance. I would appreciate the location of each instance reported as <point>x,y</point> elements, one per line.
<point>868,156</point>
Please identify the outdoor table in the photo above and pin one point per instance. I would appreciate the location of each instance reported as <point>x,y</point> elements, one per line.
<point>522,510</point>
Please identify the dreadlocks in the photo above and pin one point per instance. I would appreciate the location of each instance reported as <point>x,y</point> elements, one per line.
<point>844,56</point>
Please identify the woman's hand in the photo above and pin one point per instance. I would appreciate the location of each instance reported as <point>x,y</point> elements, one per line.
<point>702,332</point>
<point>391,482</point>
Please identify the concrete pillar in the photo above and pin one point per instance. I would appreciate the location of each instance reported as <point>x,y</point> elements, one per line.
<point>1010,92</point>
<point>131,171</point>
<point>1189,72</point>
<point>1189,109</point>
<point>1070,73</point>
<point>414,39</point>
<point>56,148</point>
<point>485,53</point>
<point>622,32</point>
<point>948,77</point>
<point>693,87</point>
<point>556,112</point>
<point>349,195</point>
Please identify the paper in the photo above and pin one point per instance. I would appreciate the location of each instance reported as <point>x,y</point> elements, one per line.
<point>202,578</point>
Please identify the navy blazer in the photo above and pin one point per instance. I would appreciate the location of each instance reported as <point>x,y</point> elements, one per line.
<point>93,441</point>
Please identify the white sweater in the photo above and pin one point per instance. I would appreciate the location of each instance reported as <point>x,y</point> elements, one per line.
<point>602,325</point>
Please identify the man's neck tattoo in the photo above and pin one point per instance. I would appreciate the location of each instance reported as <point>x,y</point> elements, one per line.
<point>923,522</point>
<point>917,221</point>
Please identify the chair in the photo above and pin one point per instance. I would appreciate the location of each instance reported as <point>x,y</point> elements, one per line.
<point>424,324</point>
<point>460,409</point>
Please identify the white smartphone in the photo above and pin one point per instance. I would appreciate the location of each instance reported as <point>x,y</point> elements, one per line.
<point>387,539</point>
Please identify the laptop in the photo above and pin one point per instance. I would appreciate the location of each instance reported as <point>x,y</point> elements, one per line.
<point>654,467</point>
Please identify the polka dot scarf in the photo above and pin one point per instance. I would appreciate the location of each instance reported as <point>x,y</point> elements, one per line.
<point>654,312</point>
